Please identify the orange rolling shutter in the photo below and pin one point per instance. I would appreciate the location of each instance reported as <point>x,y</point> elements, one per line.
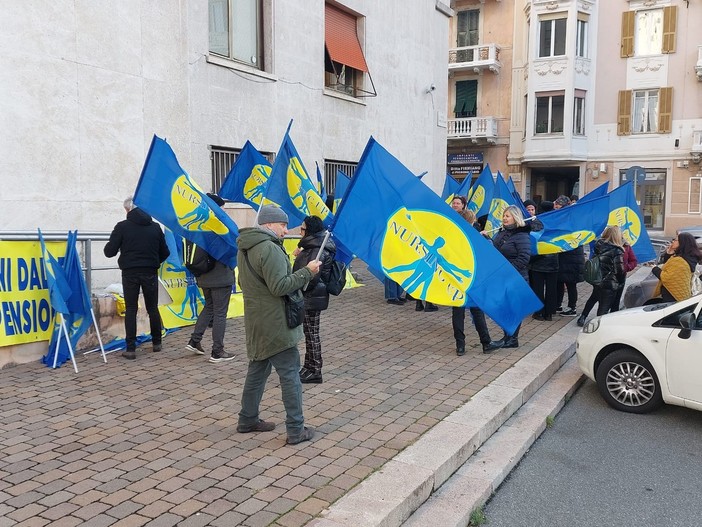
<point>341,38</point>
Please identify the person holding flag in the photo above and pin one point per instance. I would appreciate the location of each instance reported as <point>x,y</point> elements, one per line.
<point>142,247</point>
<point>514,244</point>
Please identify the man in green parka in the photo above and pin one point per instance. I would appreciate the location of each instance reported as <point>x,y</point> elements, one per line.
<point>265,277</point>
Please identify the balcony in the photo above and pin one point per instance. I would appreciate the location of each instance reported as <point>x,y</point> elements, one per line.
<point>698,66</point>
<point>477,129</point>
<point>475,58</point>
<point>696,149</point>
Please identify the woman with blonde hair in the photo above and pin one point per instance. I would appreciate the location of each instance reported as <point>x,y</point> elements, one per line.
<point>610,250</point>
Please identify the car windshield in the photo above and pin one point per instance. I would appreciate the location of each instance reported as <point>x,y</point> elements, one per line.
<point>673,320</point>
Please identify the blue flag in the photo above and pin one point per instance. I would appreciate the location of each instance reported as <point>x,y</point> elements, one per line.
<point>450,188</point>
<point>481,193</point>
<point>596,193</point>
<point>570,227</point>
<point>501,199</point>
<point>464,188</point>
<point>625,212</point>
<point>59,289</point>
<point>292,189</point>
<point>342,183</point>
<point>247,179</point>
<point>397,225</point>
<point>79,306</point>
<point>167,193</point>
<point>320,184</point>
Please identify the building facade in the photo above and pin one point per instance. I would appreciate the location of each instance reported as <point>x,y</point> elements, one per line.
<point>86,85</point>
<point>598,91</point>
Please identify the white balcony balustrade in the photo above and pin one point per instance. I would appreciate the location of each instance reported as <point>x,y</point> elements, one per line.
<point>478,129</point>
<point>475,58</point>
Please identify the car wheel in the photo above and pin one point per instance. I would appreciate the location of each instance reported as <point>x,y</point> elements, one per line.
<point>627,382</point>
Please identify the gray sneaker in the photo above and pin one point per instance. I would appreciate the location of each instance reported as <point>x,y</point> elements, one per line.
<point>221,357</point>
<point>195,347</point>
<point>305,435</point>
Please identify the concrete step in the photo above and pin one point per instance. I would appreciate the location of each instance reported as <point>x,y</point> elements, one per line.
<point>473,484</point>
<point>388,497</point>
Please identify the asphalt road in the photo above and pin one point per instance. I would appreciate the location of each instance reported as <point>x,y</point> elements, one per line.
<point>598,466</point>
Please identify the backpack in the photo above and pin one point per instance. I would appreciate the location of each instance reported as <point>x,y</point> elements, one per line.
<point>197,260</point>
<point>337,278</point>
<point>593,271</point>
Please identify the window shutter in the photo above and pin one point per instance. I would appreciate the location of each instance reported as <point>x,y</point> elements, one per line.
<point>627,46</point>
<point>624,113</point>
<point>665,111</point>
<point>670,21</point>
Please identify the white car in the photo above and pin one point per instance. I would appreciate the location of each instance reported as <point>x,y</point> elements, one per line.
<point>645,356</point>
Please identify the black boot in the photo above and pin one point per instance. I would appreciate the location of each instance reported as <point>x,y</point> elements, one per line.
<point>494,345</point>
<point>419,306</point>
<point>430,307</point>
<point>460,348</point>
<point>511,342</point>
<point>581,321</point>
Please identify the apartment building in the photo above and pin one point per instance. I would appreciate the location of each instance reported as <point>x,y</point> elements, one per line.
<point>85,86</point>
<point>595,91</point>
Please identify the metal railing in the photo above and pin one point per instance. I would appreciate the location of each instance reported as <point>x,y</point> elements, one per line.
<point>85,239</point>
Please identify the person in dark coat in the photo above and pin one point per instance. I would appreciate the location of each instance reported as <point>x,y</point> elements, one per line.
<point>514,244</point>
<point>571,265</point>
<point>142,248</point>
<point>543,273</point>
<point>316,295</point>
<point>610,249</point>
<point>216,286</point>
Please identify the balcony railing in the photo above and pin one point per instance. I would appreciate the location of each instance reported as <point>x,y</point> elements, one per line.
<point>474,128</point>
<point>698,66</point>
<point>475,58</point>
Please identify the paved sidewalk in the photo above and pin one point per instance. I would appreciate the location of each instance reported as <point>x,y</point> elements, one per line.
<point>153,441</point>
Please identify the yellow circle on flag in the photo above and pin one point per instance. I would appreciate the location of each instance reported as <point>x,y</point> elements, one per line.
<point>628,221</point>
<point>565,242</point>
<point>192,212</point>
<point>256,183</point>
<point>429,255</point>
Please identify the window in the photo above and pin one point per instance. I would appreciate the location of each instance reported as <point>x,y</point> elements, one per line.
<point>549,113</point>
<point>645,111</point>
<point>581,38</point>
<point>649,32</point>
<point>330,168</point>
<point>650,195</point>
<point>552,37</point>
<point>467,34</point>
<point>344,62</point>
<point>466,99</point>
<point>579,113</point>
<point>222,160</point>
<point>235,30</point>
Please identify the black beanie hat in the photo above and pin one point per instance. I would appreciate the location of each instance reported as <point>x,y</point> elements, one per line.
<point>528,202</point>
<point>313,224</point>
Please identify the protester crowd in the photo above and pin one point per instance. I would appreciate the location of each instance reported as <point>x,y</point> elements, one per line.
<point>284,302</point>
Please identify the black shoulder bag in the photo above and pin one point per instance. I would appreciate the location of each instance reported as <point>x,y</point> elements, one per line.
<point>294,302</point>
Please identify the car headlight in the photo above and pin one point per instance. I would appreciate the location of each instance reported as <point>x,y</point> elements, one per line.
<point>592,326</point>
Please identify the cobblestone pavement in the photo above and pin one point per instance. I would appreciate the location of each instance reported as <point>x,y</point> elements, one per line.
<point>153,441</point>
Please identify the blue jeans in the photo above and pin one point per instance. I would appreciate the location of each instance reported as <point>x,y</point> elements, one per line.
<point>392,289</point>
<point>287,365</point>
<point>215,309</point>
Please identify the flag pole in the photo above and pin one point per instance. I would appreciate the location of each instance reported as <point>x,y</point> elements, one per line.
<point>531,218</point>
<point>97,332</point>
<point>68,342</point>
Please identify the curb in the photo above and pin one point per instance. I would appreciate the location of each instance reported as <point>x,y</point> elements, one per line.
<point>388,497</point>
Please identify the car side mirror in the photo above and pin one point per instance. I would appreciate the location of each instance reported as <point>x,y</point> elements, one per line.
<point>687,321</point>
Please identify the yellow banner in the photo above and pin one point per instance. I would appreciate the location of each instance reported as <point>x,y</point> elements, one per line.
<point>25,311</point>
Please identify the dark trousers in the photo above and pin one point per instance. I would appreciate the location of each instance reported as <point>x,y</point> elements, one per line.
<point>600,296</point>
<point>572,288</point>
<point>544,285</point>
<point>458,320</point>
<point>148,284</point>
<point>617,299</point>
<point>215,311</point>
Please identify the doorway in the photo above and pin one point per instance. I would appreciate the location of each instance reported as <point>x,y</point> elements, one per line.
<point>547,183</point>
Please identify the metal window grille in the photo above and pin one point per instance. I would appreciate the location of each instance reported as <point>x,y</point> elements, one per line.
<point>222,161</point>
<point>330,168</point>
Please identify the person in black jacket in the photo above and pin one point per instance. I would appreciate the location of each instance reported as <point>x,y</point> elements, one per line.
<point>216,285</point>
<point>610,249</point>
<point>571,265</point>
<point>515,245</point>
<point>142,247</point>
<point>543,273</point>
<point>316,295</point>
